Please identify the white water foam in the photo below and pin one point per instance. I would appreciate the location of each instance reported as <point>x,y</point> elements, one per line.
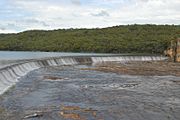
<point>10,75</point>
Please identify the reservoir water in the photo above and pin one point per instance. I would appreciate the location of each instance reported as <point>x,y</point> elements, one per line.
<point>21,55</point>
<point>9,57</point>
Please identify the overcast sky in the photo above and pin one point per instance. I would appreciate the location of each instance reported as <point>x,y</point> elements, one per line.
<point>21,15</point>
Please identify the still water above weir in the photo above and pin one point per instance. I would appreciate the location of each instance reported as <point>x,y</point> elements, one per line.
<point>12,57</point>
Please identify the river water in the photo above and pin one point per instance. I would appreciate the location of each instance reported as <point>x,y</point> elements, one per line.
<point>62,88</point>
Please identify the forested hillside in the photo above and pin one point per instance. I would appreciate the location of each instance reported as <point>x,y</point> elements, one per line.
<point>118,39</point>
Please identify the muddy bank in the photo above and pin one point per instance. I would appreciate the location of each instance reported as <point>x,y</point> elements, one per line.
<point>140,68</point>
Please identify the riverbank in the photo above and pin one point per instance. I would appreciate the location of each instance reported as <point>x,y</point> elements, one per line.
<point>161,68</point>
<point>118,39</point>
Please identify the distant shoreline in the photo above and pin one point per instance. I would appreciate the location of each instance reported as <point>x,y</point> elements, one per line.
<point>151,39</point>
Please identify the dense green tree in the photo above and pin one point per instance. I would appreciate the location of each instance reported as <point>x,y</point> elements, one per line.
<point>117,39</point>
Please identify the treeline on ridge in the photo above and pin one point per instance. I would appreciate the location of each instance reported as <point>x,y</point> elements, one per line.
<point>117,39</point>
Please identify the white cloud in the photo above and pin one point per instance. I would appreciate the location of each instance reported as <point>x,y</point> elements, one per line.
<point>76,2</point>
<point>7,31</point>
<point>54,14</point>
<point>150,11</point>
<point>101,13</point>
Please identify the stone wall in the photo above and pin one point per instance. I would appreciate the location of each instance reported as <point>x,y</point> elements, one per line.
<point>173,52</point>
<point>178,51</point>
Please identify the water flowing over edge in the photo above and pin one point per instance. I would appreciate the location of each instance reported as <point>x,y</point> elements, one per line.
<point>10,75</point>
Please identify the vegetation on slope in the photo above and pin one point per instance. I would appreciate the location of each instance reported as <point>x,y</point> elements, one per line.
<point>118,39</point>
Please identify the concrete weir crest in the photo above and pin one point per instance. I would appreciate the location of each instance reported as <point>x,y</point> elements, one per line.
<point>9,75</point>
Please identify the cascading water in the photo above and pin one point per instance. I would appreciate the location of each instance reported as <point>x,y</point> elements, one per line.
<point>9,75</point>
<point>127,58</point>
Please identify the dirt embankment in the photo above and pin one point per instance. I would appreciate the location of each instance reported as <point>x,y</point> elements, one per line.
<point>141,68</point>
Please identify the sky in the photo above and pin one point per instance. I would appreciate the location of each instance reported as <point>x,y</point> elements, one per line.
<point>21,15</point>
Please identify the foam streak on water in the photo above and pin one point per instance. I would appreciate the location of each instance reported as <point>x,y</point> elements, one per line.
<point>9,75</point>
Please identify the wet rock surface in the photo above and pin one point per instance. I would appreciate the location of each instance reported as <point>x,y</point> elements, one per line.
<point>77,93</point>
<point>149,68</point>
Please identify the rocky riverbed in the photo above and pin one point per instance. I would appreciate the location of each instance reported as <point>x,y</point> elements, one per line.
<point>109,91</point>
<point>161,68</point>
